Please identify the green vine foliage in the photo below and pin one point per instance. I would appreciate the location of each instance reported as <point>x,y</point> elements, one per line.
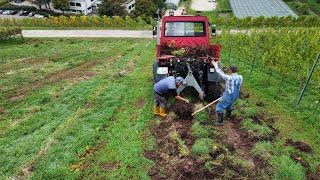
<point>287,53</point>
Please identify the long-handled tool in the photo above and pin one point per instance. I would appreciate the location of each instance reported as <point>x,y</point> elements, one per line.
<point>203,108</point>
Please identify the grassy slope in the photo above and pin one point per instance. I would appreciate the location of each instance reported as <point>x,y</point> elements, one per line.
<point>95,128</point>
<point>74,114</point>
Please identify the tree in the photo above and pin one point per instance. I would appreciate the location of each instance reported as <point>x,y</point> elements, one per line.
<point>39,3</point>
<point>112,8</point>
<point>147,8</point>
<point>159,3</point>
<point>60,4</point>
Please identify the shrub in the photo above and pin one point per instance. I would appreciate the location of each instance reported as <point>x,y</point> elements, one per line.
<point>9,34</point>
<point>14,7</point>
<point>74,21</point>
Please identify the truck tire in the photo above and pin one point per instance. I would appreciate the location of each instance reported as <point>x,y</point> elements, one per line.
<point>213,91</point>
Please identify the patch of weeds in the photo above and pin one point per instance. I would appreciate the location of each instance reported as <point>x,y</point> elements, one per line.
<point>202,146</point>
<point>286,168</point>
<point>45,99</point>
<point>251,127</point>
<point>149,141</point>
<point>202,117</point>
<point>241,103</point>
<point>183,149</point>
<point>199,131</point>
<point>239,162</point>
<point>249,112</point>
<point>263,149</point>
<point>211,165</point>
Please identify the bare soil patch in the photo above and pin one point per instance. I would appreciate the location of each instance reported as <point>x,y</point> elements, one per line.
<point>299,145</point>
<point>183,109</point>
<point>140,103</point>
<point>169,164</point>
<point>110,166</point>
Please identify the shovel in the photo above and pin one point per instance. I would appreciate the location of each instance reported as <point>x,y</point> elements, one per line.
<point>205,107</point>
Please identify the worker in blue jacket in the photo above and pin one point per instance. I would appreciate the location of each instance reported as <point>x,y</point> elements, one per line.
<point>231,93</point>
<point>162,90</point>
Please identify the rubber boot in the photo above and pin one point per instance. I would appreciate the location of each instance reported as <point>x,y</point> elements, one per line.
<point>163,112</point>
<point>156,110</point>
<point>219,121</point>
<point>228,113</point>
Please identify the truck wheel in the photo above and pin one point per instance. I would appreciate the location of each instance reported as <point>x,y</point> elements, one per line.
<point>213,91</point>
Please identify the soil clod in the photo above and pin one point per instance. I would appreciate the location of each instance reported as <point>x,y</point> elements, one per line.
<point>183,109</point>
<point>299,145</point>
<point>298,159</point>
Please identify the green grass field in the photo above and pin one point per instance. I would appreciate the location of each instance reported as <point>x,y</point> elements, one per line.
<point>80,109</point>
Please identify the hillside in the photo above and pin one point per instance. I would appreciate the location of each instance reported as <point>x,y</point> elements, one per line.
<point>83,109</point>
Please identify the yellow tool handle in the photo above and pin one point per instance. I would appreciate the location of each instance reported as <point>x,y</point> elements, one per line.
<point>203,108</point>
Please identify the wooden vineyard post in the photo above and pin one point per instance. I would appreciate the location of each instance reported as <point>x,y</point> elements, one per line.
<point>254,58</point>
<point>308,79</point>
<point>230,47</point>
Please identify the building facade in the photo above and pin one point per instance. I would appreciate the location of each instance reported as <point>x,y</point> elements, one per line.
<point>88,6</point>
<point>129,4</point>
<point>83,6</point>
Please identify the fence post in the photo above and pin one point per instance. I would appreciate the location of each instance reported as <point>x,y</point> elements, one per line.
<point>308,79</point>
<point>230,47</point>
<point>254,57</point>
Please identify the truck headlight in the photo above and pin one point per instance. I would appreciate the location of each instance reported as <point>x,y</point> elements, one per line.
<point>162,70</point>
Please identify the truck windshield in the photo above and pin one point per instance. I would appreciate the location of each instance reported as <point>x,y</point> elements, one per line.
<point>184,29</point>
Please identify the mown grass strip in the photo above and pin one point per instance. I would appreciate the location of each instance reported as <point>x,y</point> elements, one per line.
<point>111,110</point>
<point>22,143</point>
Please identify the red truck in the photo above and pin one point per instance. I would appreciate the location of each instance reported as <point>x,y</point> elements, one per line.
<point>184,49</point>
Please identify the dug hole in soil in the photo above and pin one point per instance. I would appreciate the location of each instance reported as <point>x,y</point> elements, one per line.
<point>175,161</point>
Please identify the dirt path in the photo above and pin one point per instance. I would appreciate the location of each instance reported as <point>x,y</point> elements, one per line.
<point>88,33</point>
<point>203,5</point>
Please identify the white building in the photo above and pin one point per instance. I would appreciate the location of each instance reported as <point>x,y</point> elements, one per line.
<point>128,4</point>
<point>83,6</point>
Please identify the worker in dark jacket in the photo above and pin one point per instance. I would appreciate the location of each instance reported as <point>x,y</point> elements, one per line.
<point>231,93</point>
<point>164,88</point>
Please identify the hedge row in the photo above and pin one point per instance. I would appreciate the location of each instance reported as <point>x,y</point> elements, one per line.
<point>8,6</point>
<point>301,21</point>
<point>8,34</point>
<point>78,21</point>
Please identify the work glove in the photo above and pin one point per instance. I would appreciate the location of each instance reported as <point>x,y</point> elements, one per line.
<point>215,64</point>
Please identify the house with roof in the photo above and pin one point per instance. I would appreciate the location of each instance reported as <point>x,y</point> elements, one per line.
<point>89,6</point>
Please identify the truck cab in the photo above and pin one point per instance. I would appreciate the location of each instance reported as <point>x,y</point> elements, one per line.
<point>184,49</point>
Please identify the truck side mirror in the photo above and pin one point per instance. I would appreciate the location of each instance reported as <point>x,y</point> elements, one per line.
<point>154,31</point>
<point>213,29</point>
